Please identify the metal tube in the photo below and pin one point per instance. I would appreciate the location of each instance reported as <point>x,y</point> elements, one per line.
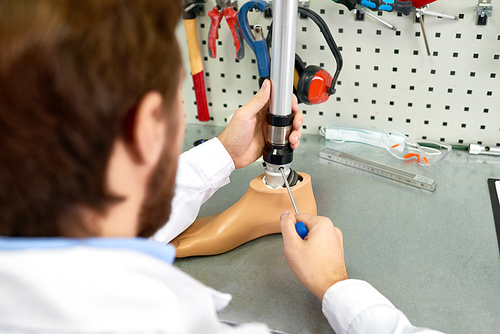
<point>278,152</point>
<point>283,56</point>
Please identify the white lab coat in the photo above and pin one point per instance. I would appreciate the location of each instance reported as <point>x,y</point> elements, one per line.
<point>130,286</point>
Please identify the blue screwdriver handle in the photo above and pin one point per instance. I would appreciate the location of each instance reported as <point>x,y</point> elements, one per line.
<point>301,229</point>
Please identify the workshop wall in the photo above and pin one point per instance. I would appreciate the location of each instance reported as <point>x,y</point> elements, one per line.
<point>387,81</point>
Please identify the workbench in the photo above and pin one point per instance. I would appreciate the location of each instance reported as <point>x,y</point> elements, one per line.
<point>434,255</point>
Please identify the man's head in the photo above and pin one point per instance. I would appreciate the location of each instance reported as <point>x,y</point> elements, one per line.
<point>86,88</point>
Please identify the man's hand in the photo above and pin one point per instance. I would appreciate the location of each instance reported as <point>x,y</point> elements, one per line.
<point>318,260</point>
<point>244,138</point>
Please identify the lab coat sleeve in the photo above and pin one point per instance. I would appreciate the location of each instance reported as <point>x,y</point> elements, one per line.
<point>200,173</point>
<point>354,306</point>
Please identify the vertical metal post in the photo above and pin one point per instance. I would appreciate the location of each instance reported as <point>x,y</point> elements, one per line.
<point>278,152</point>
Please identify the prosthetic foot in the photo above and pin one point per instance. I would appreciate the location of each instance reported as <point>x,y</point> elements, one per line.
<point>256,214</point>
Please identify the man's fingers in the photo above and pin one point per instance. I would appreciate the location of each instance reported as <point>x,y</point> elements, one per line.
<point>259,100</point>
<point>287,225</point>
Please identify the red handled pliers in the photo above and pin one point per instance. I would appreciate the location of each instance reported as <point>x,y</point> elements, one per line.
<point>229,11</point>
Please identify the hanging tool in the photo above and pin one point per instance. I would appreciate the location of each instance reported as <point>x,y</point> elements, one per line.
<point>421,12</point>
<point>256,40</point>
<point>376,5</point>
<point>299,226</point>
<point>195,61</point>
<point>228,10</point>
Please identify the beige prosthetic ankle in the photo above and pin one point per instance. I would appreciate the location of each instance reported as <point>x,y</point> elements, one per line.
<point>256,214</point>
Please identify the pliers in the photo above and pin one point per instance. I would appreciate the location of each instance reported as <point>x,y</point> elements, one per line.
<point>256,40</point>
<point>227,9</point>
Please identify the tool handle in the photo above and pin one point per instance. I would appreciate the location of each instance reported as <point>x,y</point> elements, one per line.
<point>232,21</point>
<point>301,229</point>
<point>213,34</point>
<point>258,47</point>
<point>350,4</point>
<point>389,5</point>
<point>201,96</point>
<point>196,65</point>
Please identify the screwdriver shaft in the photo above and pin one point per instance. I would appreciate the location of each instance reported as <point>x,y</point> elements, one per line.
<point>289,191</point>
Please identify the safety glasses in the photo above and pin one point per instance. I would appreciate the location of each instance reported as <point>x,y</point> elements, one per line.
<point>425,152</point>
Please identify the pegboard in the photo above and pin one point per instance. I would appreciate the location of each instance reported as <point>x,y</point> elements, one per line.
<point>387,81</point>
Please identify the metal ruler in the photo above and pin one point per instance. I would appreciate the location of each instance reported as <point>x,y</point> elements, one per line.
<point>415,180</point>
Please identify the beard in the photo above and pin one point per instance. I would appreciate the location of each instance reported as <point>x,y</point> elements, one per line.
<point>157,204</point>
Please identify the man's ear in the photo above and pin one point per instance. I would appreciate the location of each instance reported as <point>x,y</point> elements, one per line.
<point>148,130</point>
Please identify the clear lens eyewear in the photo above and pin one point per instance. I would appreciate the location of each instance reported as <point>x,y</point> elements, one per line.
<point>425,152</point>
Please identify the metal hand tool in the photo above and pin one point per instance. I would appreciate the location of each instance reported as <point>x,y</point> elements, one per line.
<point>299,226</point>
<point>420,13</point>
<point>255,39</point>
<point>226,9</point>
<point>195,62</point>
<point>376,5</point>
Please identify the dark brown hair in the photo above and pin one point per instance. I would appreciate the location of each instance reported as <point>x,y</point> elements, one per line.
<point>70,74</point>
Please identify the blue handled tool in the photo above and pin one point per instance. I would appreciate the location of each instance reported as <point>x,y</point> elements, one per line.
<point>300,226</point>
<point>256,41</point>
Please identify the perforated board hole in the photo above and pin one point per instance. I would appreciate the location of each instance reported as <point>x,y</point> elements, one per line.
<point>445,123</point>
<point>426,122</point>
<point>483,127</point>
<point>489,93</point>
<point>475,56</point>
<point>450,90</point>
<point>447,107</point>
<point>486,110</point>
<point>391,103</point>
<point>464,125</point>
<point>460,141</point>
<point>415,52</point>
<point>390,119</point>
<point>455,54</point>
<point>428,106</point>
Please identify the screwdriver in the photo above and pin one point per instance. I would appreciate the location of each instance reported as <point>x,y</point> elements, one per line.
<point>389,5</point>
<point>300,226</point>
